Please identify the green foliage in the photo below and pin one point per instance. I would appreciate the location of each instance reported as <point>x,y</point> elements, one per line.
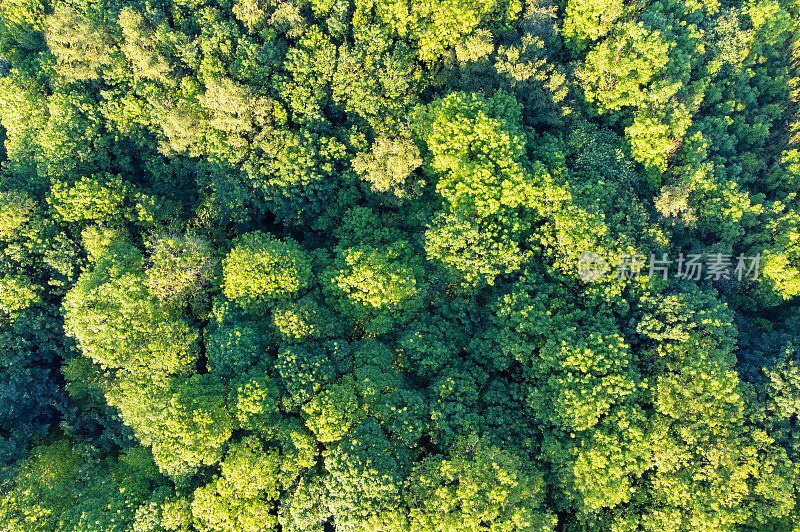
<point>475,149</point>
<point>479,251</point>
<point>589,21</point>
<point>617,71</point>
<point>253,401</point>
<point>364,481</point>
<point>306,265</point>
<point>304,370</point>
<point>242,496</point>
<point>331,413</point>
<point>374,277</point>
<point>16,294</point>
<point>22,25</point>
<point>307,319</point>
<point>439,26</point>
<point>60,488</point>
<point>477,153</point>
<point>477,486</point>
<point>89,200</point>
<point>298,174</point>
<point>375,79</point>
<point>233,342</point>
<point>262,268</point>
<point>180,267</point>
<point>388,165</point>
<point>82,49</point>
<point>303,508</point>
<point>117,323</point>
<point>378,286</point>
<point>197,424</point>
<point>42,486</point>
<point>16,211</point>
<point>98,239</point>
<point>141,48</point>
<point>779,268</point>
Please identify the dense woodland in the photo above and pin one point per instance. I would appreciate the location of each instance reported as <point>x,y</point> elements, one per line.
<point>313,265</point>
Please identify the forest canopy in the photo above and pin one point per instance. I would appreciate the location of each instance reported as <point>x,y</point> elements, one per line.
<point>399,265</point>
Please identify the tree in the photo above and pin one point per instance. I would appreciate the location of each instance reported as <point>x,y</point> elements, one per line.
<point>298,174</point>
<point>779,273</point>
<point>378,287</point>
<point>118,324</point>
<point>242,496</point>
<point>332,412</point>
<point>587,22</point>
<point>21,30</point>
<point>30,350</point>
<point>315,264</point>
<point>180,267</point>
<point>82,48</point>
<point>618,70</point>
<point>438,27</point>
<point>303,508</point>
<point>17,293</point>
<point>303,372</point>
<point>308,319</point>
<point>478,251</point>
<point>234,342</point>
<point>375,78</point>
<point>253,401</point>
<point>60,487</point>
<point>234,110</point>
<point>477,153</point>
<point>261,268</point>
<point>310,65</point>
<point>389,164</point>
<point>430,344</point>
<point>17,209</point>
<point>142,48</point>
<point>195,427</point>
<point>89,200</point>
<point>476,150</point>
<point>363,487</point>
<point>478,486</point>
